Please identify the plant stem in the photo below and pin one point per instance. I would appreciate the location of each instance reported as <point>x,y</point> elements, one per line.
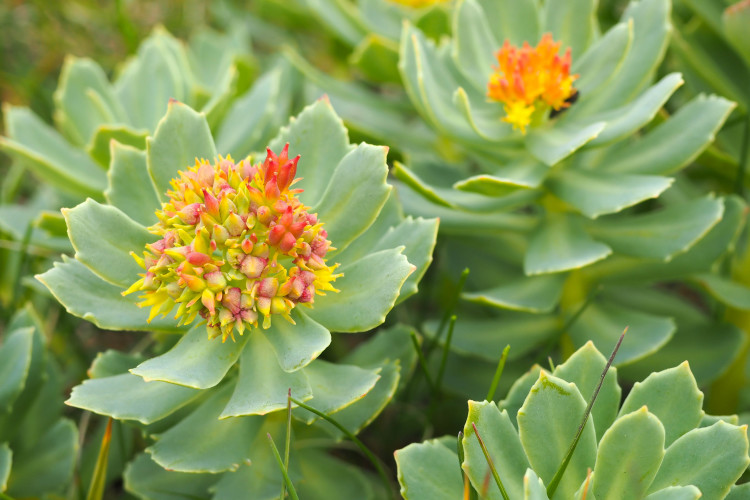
<point>422,360</point>
<point>446,348</point>
<point>742,167</point>
<point>292,491</point>
<point>364,449</point>
<point>489,462</point>
<point>449,310</point>
<point>469,492</point>
<point>288,438</point>
<point>564,465</point>
<point>498,374</point>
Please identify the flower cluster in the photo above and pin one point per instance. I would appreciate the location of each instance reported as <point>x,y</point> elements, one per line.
<point>527,76</point>
<point>236,244</point>
<point>416,4</point>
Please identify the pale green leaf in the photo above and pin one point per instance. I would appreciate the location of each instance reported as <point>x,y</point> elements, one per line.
<point>662,234</point>
<point>112,362</point>
<point>547,423</point>
<point>739,492</point>
<point>537,294</point>
<point>555,142</point>
<point>318,135</point>
<point>202,442</point>
<point>636,114</point>
<point>629,456</point>
<point>129,397</point>
<point>735,20</point>
<point>673,396</point>
<point>196,361</point>
<point>429,470</point>
<point>341,17</point>
<point>503,444</point>
<point>560,243</point>
<point>130,188</point>
<point>526,174</point>
<point>262,385</point>
<point>673,144</point>
<point>85,295</point>
<point>335,387</point>
<point>676,493</point>
<point>572,22</point>
<point>725,290</point>
<point>43,150</point>
<point>6,460</point>
<point>597,193</point>
<point>101,235</point>
<point>600,62</point>
<point>365,297</point>
<point>389,344</point>
<point>181,138</point>
<point>603,322</point>
<point>85,100</point>
<point>518,392</point>
<point>297,345</point>
<point>517,21</point>
<point>101,143</point>
<point>15,359</point>
<point>533,487</point>
<point>473,42</point>
<point>584,368</point>
<point>324,477</point>
<point>146,479</point>
<point>710,458</point>
<point>356,193</point>
<point>377,58</point>
<point>47,465</point>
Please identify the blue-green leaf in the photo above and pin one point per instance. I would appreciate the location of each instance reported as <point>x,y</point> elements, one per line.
<point>196,361</point>
<point>599,63</point>
<point>6,460</point>
<point>129,397</point>
<point>130,187</point>
<point>101,235</point>
<point>428,470</point>
<point>572,22</point>
<point>473,42</point>
<point>297,345</point>
<point>15,358</point>
<point>538,294</point>
<point>556,141</point>
<point>146,479</point>
<point>181,137</point>
<point>517,21</point>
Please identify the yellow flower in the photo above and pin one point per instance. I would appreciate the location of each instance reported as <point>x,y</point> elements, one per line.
<point>415,4</point>
<point>528,81</point>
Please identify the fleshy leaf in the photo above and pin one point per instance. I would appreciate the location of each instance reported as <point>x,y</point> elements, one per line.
<point>526,174</point>
<point>676,493</point>
<point>711,458</point>
<point>662,234</point>
<point>181,137</point>
<point>728,292</point>
<point>324,477</point>
<point>196,361</point>
<point>554,143</point>
<point>297,345</point>
<point>15,358</point>
<point>674,143</point>
<point>335,386</point>
<point>629,456</point>
<point>51,157</point>
<point>130,187</point>
<point>85,295</point>
<point>518,392</point>
<point>560,244</point>
<point>597,193</point>
<point>574,23</point>
<point>673,396</point>
<point>355,195</point>
<point>503,444</point>
<point>129,397</point>
<point>6,460</point>
<point>100,147</point>
<point>226,444</point>
<point>515,20</point>
<point>84,100</point>
<point>47,465</point>
<point>538,294</point>
<point>262,385</point>
<point>533,487</point>
<point>584,369</point>
<point>101,235</point>
<point>420,464</point>
<point>364,299</point>
<point>474,42</point>
<point>318,135</point>
<point>546,440</point>
<point>603,323</point>
<point>597,65</point>
<point>145,478</point>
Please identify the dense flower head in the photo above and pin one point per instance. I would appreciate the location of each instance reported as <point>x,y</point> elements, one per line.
<point>236,246</point>
<point>531,79</point>
<point>418,3</point>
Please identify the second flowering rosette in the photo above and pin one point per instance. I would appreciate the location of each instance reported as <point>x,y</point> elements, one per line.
<point>253,261</point>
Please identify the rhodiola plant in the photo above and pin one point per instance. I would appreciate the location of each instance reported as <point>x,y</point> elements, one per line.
<point>566,192</point>
<point>249,268</point>
<point>657,444</point>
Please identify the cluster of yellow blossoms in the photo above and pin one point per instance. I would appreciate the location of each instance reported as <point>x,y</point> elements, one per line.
<point>236,244</point>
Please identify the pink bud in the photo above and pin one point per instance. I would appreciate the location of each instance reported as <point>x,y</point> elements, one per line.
<point>198,259</point>
<point>211,203</point>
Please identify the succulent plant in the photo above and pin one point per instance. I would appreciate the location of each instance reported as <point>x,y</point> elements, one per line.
<point>659,443</point>
<point>249,283</point>
<point>37,444</point>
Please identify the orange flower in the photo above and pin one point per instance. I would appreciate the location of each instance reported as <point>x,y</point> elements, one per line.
<point>529,80</point>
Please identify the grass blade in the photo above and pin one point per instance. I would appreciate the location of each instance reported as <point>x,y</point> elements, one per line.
<point>498,374</point>
<point>99,478</point>
<point>489,462</point>
<point>292,491</point>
